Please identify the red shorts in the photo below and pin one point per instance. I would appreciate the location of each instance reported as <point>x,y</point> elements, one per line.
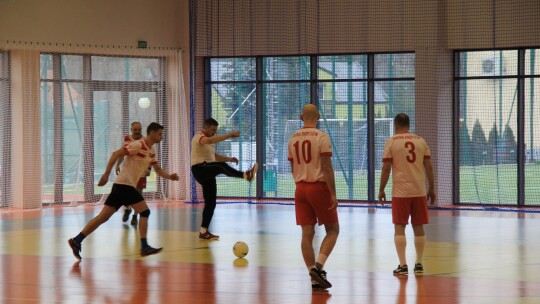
<point>415,207</point>
<point>141,184</point>
<point>312,201</point>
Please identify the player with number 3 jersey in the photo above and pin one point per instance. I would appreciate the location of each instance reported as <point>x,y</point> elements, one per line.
<point>408,157</point>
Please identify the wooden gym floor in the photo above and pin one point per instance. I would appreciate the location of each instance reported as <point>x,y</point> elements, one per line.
<point>471,257</point>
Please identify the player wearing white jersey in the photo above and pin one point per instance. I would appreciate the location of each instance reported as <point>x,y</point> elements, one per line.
<point>309,153</point>
<point>139,155</point>
<point>206,164</point>
<point>136,134</point>
<point>408,157</point>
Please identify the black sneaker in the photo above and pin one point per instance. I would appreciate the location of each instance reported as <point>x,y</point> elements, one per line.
<point>316,286</point>
<point>319,276</point>
<point>76,248</point>
<point>134,220</point>
<point>401,269</point>
<point>418,268</point>
<point>127,212</point>
<point>150,251</point>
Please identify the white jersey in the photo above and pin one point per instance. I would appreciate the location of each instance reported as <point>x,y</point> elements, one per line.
<point>407,152</point>
<point>306,147</point>
<point>139,156</point>
<point>201,153</point>
<point>127,140</point>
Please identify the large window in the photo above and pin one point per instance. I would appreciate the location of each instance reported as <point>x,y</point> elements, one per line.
<point>358,95</point>
<point>5,133</point>
<point>498,114</point>
<point>88,103</point>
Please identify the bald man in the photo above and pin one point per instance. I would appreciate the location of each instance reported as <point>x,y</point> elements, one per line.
<point>315,199</point>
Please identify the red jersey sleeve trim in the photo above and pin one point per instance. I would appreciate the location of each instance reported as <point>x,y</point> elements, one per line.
<point>427,156</point>
<point>153,163</point>
<point>326,154</point>
<point>388,159</point>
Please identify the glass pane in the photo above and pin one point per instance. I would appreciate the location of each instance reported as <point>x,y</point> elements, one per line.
<point>108,135</point>
<point>282,108</point>
<point>395,65</point>
<point>532,62</point>
<point>47,142</point>
<point>488,170</point>
<point>72,67</point>
<point>338,94</point>
<point>125,69</point>
<point>488,63</point>
<point>391,98</point>
<point>343,117</point>
<point>142,108</point>
<point>532,141</point>
<point>73,136</point>
<point>286,68</point>
<point>232,69</point>
<point>394,97</point>
<point>46,66</point>
<point>342,67</point>
<point>233,106</point>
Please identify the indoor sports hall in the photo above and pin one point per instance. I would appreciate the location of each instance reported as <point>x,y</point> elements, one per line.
<point>75,75</point>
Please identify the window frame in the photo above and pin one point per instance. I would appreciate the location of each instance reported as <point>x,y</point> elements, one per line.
<point>89,86</point>
<point>313,81</point>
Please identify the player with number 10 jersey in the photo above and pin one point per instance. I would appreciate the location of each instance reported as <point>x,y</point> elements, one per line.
<point>306,147</point>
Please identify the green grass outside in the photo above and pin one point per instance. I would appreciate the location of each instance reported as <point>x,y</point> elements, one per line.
<point>480,184</point>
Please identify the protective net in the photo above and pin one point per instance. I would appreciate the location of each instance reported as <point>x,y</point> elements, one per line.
<point>466,72</point>
<point>257,81</point>
<point>74,109</point>
<point>5,135</point>
<point>255,64</point>
<point>497,103</point>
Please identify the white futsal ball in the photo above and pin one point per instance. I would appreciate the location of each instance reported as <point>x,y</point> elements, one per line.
<point>240,249</point>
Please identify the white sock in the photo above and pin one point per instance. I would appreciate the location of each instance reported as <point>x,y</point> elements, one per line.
<point>401,243</point>
<point>203,230</point>
<point>419,244</point>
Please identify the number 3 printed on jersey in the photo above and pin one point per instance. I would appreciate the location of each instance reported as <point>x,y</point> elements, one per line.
<point>412,156</point>
<point>306,151</point>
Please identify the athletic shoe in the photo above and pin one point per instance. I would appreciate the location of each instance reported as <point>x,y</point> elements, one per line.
<point>127,212</point>
<point>316,286</point>
<point>150,251</point>
<point>208,236</point>
<point>76,248</point>
<point>134,220</point>
<point>418,268</point>
<point>319,276</point>
<point>401,269</point>
<point>250,174</point>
